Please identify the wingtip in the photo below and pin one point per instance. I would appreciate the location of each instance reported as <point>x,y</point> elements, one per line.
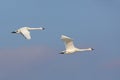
<point>63,37</point>
<point>28,38</point>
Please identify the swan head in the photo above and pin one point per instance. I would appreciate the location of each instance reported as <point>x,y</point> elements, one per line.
<point>43,28</point>
<point>14,32</point>
<point>63,52</point>
<point>91,49</point>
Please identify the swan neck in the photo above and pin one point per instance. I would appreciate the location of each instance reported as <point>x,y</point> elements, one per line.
<point>35,28</point>
<point>84,49</point>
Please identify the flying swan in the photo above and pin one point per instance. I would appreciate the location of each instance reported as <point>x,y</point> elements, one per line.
<point>25,31</point>
<point>69,45</point>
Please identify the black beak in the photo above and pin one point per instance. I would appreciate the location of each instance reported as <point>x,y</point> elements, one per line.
<point>43,28</point>
<point>93,49</point>
<point>13,32</point>
<point>61,53</point>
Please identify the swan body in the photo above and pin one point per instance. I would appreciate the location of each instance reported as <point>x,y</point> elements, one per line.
<point>25,31</point>
<point>69,45</point>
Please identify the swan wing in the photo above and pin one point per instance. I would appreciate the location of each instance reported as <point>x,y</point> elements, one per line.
<point>26,34</point>
<point>68,42</point>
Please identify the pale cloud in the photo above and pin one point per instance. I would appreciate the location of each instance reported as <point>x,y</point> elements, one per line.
<point>25,55</point>
<point>112,64</point>
<point>14,61</point>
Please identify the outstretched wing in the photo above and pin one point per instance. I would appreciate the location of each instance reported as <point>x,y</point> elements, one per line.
<point>26,34</point>
<point>68,42</point>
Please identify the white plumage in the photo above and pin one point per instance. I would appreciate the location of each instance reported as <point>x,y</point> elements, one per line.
<point>69,46</point>
<point>25,31</point>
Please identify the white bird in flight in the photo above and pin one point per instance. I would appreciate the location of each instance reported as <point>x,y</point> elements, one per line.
<point>69,45</point>
<point>25,31</point>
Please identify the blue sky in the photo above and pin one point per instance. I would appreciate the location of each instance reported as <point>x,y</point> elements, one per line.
<point>91,23</point>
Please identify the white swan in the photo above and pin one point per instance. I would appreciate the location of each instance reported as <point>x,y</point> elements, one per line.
<point>70,48</point>
<point>25,31</point>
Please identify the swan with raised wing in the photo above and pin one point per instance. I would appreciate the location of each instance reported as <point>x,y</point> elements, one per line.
<point>25,31</point>
<point>69,45</point>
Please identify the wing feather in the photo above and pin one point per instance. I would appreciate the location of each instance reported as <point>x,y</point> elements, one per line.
<point>26,34</point>
<point>68,42</point>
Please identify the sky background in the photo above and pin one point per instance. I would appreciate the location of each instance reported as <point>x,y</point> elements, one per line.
<point>91,23</point>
